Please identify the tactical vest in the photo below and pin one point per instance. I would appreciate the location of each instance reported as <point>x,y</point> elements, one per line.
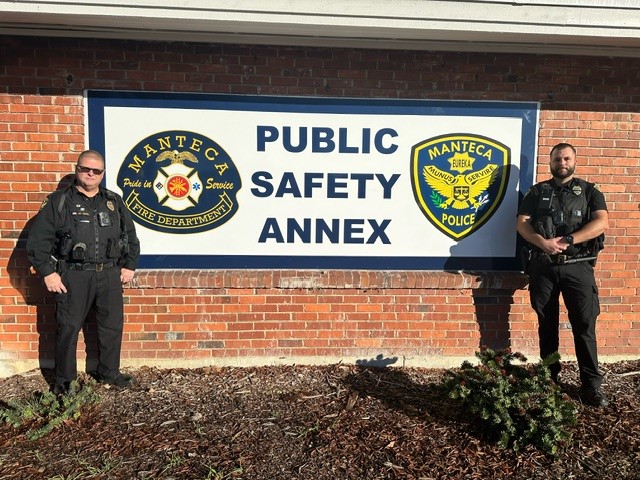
<point>567,212</point>
<point>89,233</point>
<point>569,207</point>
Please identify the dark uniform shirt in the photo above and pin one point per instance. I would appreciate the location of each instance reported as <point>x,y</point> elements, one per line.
<point>551,275</point>
<point>94,225</point>
<point>573,203</point>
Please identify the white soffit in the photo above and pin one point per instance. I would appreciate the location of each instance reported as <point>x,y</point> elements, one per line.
<point>587,27</point>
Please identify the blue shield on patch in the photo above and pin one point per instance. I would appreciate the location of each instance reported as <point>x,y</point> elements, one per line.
<point>179,182</point>
<point>459,181</point>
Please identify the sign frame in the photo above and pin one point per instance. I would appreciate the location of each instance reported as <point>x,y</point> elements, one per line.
<point>97,101</point>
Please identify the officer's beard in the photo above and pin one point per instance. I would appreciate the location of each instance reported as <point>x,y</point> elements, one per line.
<point>562,173</point>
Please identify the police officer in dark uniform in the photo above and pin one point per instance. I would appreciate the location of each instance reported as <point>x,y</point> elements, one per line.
<point>83,244</point>
<point>563,220</point>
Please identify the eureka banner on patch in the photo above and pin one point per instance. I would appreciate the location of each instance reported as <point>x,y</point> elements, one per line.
<point>234,181</point>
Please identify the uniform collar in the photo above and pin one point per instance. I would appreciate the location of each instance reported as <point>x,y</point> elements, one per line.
<point>565,186</point>
<point>78,192</point>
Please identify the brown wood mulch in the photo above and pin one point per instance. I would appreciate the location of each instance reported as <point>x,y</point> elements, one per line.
<point>309,422</point>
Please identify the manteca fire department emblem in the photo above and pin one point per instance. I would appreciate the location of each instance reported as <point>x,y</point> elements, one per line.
<point>177,186</point>
<point>179,182</point>
<point>459,181</point>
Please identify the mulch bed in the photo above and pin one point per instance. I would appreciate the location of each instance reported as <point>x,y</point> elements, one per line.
<point>309,422</point>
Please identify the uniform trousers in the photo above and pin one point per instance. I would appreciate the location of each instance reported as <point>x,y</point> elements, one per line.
<point>86,289</point>
<point>576,282</point>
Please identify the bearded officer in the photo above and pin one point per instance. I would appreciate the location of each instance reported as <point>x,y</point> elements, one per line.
<point>563,219</point>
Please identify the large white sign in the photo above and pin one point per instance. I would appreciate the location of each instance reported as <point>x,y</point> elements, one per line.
<point>280,182</point>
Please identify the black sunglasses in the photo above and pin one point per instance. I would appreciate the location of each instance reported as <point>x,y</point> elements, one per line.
<point>83,169</point>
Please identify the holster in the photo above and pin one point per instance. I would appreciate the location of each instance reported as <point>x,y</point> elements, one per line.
<point>61,266</point>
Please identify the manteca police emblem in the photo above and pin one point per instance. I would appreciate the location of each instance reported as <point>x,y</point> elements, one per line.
<point>179,182</point>
<point>459,181</point>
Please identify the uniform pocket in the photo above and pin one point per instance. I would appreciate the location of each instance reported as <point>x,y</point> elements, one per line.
<point>596,301</point>
<point>82,225</point>
<point>61,297</point>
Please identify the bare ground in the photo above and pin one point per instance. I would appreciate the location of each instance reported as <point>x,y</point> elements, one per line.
<point>308,422</point>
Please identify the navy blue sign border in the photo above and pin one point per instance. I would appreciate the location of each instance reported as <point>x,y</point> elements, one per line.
<point>98,100</point>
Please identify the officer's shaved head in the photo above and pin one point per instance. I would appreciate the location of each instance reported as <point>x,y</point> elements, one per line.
<point>562,146</point>
<point>90,153</point>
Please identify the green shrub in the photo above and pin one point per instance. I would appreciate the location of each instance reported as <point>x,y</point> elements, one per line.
<point>46,411</point>
<point>516,404</point>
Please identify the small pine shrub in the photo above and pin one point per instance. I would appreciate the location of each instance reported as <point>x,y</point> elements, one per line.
<point>46,411</point>
<point>515,404</point>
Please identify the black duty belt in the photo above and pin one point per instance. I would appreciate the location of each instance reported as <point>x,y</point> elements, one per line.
<point>568,259</point>
<point>98,267</point>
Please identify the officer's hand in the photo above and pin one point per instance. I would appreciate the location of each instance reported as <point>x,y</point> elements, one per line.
<point>562,244</point>
<point>54,284</point>
<point>126,275</point>
<point>554,246</point>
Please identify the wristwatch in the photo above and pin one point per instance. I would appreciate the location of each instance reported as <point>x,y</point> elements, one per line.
<point>569,239</point>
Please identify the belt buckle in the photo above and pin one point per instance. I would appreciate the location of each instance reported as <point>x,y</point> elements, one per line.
<point>562,259</point>
<point>99,267</point>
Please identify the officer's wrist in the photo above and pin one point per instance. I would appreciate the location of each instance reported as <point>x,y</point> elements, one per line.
<point>45,271</point>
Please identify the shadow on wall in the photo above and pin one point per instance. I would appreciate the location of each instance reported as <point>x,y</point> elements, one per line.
<point>31,288</point>
<point>379,362</point>
<point>492,304</point>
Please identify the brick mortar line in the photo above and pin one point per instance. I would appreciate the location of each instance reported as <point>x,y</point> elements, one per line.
<point>312,279</point>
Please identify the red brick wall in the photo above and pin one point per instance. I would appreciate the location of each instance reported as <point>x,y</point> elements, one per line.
<point>236,317</point>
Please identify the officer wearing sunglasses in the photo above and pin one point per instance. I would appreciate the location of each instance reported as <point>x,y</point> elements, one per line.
<point>83,244</point>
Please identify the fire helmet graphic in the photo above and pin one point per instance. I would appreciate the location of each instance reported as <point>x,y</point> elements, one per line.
<point>179,182</point>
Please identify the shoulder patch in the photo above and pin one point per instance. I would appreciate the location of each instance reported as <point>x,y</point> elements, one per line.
<point>44,203</point>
